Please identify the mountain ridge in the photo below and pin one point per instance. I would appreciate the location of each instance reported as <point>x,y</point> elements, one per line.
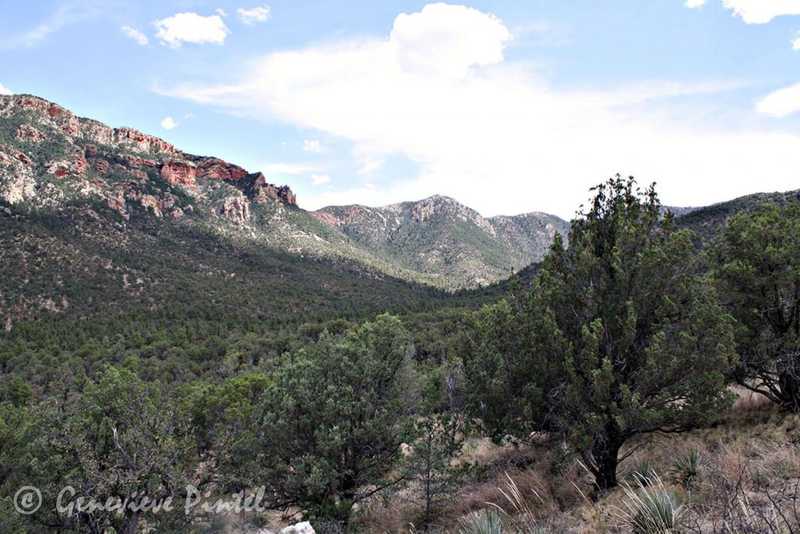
<point>51,157</point>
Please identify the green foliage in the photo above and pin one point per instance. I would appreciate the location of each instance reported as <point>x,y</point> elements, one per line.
<point>504,382</point>
<point>613,324</point>
<point>758,269</point>
<point>439,442</point>
<point>121,438</point>
<point>328,428</point>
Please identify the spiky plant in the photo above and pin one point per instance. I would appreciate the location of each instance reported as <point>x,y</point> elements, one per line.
<point>648,507</point>
<point>486,521</point>
<point>686,467</point>
<point>641,472</point>
<point>522,519</point>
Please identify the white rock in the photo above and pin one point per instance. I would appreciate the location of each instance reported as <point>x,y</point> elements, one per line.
<point>300,528</point>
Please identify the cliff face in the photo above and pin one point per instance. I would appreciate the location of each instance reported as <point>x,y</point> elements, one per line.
<point>49,156</point>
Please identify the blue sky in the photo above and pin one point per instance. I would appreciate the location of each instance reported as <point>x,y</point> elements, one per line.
<point>506,106</point>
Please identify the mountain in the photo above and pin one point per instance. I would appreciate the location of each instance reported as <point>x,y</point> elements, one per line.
<point>51,159</point>
<point>439,237</point>
<point>709,220</point>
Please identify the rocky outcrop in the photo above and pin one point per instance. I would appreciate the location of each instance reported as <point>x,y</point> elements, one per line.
<point>140,142</point>
<point>116,201</point>
<point>29,134</point>
<point>261,191</point>
<point>235,209</point>
<point>102,166</point>
<point>103,156</point>
<point>75,165</point>
<point>17,183</point>
<point>217,169</point>
<point>178,172</point>
<point>96,132</point>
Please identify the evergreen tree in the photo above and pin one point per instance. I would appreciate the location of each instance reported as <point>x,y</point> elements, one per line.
<point>758,269</point>
<point>624,337</point>
<point>331,425</point>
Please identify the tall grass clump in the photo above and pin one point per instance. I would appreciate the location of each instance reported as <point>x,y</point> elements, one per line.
<point>648,507</point>
<point>486,521</point>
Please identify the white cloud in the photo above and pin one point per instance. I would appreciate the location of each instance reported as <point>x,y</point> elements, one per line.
<point>5,90</point>
<point>796,42</point>
<point>132,33</point>
<point>320,179</point>
<point>781,103</point>
<point>168,123</point>
<point>221,12</point>
<point>693,4</point>
<point>762,11</point>
<point>191,28</point>
<point>312,145</point>
<point>254,15</point>
<point>446,40</point>
<point>492,133</point>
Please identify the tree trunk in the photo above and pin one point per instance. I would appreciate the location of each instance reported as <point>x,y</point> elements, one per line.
<point>789,384</point>
<point>605,454</point>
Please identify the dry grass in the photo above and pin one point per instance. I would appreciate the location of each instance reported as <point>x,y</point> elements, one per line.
<point>741,475</point>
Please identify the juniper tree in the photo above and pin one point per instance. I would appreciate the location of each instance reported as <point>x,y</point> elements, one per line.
<point>332,422</point>
<point>758,269</point>
<point>622,335</point>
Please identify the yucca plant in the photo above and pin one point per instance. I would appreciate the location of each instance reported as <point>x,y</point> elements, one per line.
<point>686,467</point>
<point>648,507</point>
<point>640,473</point>
<point>486,521</point>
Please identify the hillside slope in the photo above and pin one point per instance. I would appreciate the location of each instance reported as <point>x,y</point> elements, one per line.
<point>50,158</point>
<point>439,237</point>
<point>709,220</point>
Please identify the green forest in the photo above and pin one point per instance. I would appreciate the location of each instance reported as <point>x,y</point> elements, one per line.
<point>621,385</point>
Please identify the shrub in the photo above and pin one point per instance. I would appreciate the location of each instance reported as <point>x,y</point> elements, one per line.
<point>686,467</point>
<point>649,508</point>
<point>487,521</point>
<point>642,473</point>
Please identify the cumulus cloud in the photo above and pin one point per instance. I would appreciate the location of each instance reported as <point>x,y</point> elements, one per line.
<point>312,145</point>
<point>762,11</point>
<point>320,179</point>
<point>693,4</point>
<point>796,42</point>
<point>191,28</point>
<point>134,34</point>
<point>439,92</point>
<point>254,15</point>
<point>168,123</point>
<point>5,90</point>
<point>446,40</point>
<point>781,103</point>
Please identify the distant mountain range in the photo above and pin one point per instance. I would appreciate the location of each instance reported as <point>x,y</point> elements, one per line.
<point>445,240</point>
<point>50,158</point>
<point>94,218</point>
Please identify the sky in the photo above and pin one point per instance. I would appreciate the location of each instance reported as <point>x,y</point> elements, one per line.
<point>506,106</point>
